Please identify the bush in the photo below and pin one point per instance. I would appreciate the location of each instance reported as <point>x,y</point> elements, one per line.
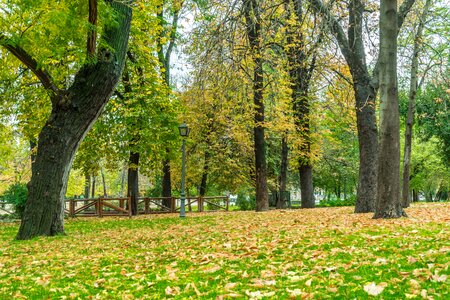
<point>246,203</point>
<point>338,202</point>
<point>16,194</point>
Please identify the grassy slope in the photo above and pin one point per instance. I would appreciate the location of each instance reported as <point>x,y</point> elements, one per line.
<point>316,253</point>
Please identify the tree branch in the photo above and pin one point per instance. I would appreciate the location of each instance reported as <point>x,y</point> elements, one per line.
<point>335,27</point>
<point>32,64</point>
<point>92,35</point>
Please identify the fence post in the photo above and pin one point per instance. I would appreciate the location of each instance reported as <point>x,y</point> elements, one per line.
<point>228,202</point>
<point>147,206</point>
<point>100,207</point>
<point>172,205</point>
<point>200,204</point>
<point>71,208</point>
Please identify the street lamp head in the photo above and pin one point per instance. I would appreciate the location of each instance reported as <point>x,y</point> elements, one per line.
<point>184,130</point>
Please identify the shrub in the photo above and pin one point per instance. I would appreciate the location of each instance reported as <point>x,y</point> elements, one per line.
<point>16,194</point>
<point>337,202</point>
<point>246,203</point>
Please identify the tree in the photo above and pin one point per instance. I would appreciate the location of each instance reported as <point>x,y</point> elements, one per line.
<point>388,203</point>
<point>168,33</point>
<point>302,62</point>
<point>251,9</point>
<point>413,86</point>
<point>365,88</point>
<point>74,110</point>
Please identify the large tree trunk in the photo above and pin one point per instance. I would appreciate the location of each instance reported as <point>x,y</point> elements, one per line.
<point>253,21</point>
<point>306,186</point>
<point>73,114</point>
<point>282,180</point>
<point>413,85</point>
<point>388,203</point>
<point>368,143</point>
<point>133,182</point>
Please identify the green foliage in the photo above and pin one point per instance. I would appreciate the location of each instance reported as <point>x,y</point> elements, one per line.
<point>433,114</point>
<point>245,202</point>
<point>16,194</point>
<point>429,173</point>
<point>334,202</point>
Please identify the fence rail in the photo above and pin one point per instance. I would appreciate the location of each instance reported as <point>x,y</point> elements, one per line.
<point>99,207</point>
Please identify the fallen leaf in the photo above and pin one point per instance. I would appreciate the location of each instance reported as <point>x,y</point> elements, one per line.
<point>373,289</point>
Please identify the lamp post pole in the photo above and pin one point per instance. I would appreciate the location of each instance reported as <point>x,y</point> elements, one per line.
<point>184,132</point>
<point>183,172</point>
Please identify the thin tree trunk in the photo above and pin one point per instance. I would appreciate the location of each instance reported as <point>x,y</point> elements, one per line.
<point>413,85</point>
<point>253,21</point>
<point>87,185</point>
<point>164,54</point>
<point>281,203</point>
<point>388,203</point>
<point>415,197</point>
<point>203,184</point>
<point>93,186</point>
<point>105,193</point>
<point>122,182</point>
<point>133,182</point>
<point>301,67</point>
<point>166,183</point>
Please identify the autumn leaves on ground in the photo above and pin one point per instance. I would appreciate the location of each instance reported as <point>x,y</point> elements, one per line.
<point>316,253</point>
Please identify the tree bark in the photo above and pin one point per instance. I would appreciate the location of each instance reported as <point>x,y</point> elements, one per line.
<point>253,21</point>
<point>122,182</point>
<point>133,181</point>
<point>413,86</point>
<point>415,196</point>
<point>105,192</point>
<point>73,113</point>
<point>281,203</point>
<point>203,184</point>
<point>365,96</point>
<point>388,203</point>
<point>87,185</point>
<point>306,187</point>
<point>166,183</point>
<point>93,186</point>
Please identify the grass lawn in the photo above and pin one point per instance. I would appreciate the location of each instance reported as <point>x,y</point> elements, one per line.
<point>315,253</point>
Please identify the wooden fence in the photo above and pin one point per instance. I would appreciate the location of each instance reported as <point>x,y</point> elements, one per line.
<point>99,207</point>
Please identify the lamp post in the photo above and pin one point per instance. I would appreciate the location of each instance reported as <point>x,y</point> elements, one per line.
<point>184,132</point>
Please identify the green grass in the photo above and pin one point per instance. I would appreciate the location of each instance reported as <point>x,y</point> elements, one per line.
<point>315,253</point>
